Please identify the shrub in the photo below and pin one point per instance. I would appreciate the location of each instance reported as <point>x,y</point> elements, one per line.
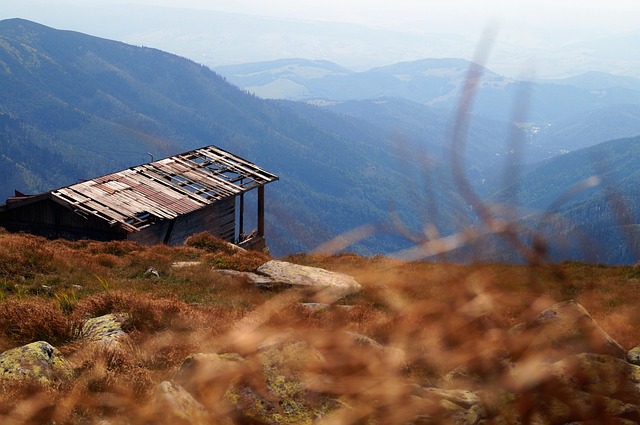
<point>34,319</point>
<point>22,255</point>
<point>117,248</point>
<point>206,241</point>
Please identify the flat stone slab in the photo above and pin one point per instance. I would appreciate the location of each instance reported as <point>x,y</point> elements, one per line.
<point>329,286</point>
<point>183,264</point>
<point>246,277</point>
<point>315,307</point>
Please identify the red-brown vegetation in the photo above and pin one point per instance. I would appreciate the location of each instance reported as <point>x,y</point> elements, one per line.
<point>440,317</point>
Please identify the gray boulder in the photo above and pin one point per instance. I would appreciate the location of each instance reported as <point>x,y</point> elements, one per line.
<point>326,286</point>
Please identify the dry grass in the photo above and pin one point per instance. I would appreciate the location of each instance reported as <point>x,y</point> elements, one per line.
<point>440,317</point>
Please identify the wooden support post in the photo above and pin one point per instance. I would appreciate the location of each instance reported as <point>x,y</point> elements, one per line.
<point>167,236</point>
<point>241,224</point>
<point>261,211</point>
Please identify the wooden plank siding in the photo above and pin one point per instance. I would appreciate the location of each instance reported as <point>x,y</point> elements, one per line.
<point>52,220</point>
<point>218,219</point>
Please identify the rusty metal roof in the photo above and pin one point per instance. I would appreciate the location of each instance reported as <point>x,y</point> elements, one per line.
<point>164,189</point>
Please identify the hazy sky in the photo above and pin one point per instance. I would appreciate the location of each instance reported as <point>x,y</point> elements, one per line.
<point>538,25</point>
<point>380,11</point>
<point>536,17</point>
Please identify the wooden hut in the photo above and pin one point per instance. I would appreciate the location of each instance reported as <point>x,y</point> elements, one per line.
<point>164,201</point>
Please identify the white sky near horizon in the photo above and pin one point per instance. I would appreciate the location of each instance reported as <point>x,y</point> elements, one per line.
<point>537,25</point>
<point>456,15</point>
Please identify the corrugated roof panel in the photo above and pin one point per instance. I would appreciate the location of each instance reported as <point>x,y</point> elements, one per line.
<point>166,188</point>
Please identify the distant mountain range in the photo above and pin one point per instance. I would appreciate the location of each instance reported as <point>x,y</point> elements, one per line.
<point>363,148</point>
<point>559,115</point>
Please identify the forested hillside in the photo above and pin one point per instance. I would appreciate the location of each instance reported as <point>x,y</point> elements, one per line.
<point>78,106</point>
<point>585,202</point>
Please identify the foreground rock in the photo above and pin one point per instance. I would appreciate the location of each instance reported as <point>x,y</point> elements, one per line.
<point>208,376</point>
<point>586,386</point>
<point>325,285</point>
<point>561,330</point>
<point>433,405</point>
<point>38,361</point>
<point>278,391</point>
<point>179,405</point>
<point>633,355</point>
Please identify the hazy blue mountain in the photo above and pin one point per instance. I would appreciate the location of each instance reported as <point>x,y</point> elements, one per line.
<point>418,127</point>
<point>433,82</point>
<point>76,106</point>
<point>440,77</point>
<point>611,122</point>
<point>284,78</point>
<point>600,81</point>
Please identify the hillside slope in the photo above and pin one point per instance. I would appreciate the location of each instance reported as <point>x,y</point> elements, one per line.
<point>586,202</point>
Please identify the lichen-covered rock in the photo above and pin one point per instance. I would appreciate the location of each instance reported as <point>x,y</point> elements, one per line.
<point>176,405</point>
<point>38,361</point>
<point>208,376</point>
<point>561,330</point>
<point>277,392</point>
<point>436,406</point>
<point>583,387</point>
<point>326,285</point>
<point>633,355</point>
<point>598,374</point>
<point>106,331</point>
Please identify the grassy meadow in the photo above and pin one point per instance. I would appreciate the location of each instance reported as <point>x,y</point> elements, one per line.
<point>442,317</point>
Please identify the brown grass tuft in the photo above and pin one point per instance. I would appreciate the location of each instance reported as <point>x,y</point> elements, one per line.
<point>24,255</point>
<point>207,242</point>
<point>34,319</point>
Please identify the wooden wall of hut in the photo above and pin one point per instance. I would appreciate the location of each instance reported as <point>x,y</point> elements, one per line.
<point>218,219</point>
<point>52,220</point>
